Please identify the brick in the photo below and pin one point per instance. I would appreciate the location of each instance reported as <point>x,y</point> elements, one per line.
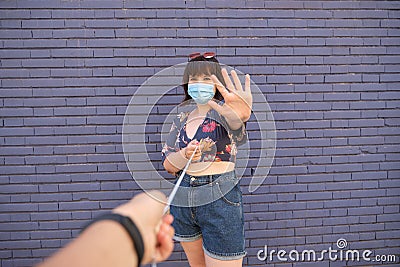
<point>341,132</point>
<point>79,187</point>
<point>80,205</point>
<point>285,23</point>
<point>365,210</point>
<point>287,60</point>
<point>313,196</point>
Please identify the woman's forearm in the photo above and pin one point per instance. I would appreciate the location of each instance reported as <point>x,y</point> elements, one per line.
<point>175,161</point>
<point>234,124</point>
<point>105,243</point>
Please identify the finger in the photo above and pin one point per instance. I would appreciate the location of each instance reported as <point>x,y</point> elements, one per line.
<point>189,148</point>
<point>228,81</point>
<point>164,242</point>
<point>188,154</point>
<point>164,239</point>
<point>168,219</point>
<point>167,229</point>
<point>166,245</point>
<point>165,225</point>
<point>247,83</point>
<point>170,231</point>
<point>236,80</point>
<point>220,87</point>
<point>164,228</point>
<point>196,157</point>
<point>193,143</point>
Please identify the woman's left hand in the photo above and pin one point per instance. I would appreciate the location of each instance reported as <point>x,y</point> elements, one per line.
<point>238,101</point>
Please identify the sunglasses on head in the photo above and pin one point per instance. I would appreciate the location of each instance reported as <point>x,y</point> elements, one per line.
<point>206,55</point>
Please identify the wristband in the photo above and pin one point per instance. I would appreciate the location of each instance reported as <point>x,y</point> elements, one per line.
<point>129,226</point>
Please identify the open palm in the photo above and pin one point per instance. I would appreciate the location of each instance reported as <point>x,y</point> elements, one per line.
<point>238,100</point>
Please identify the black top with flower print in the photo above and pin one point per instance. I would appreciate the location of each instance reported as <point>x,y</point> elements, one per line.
<point>217,140</point>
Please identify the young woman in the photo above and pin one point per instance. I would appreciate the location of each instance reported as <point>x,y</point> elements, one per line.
<point>211,234</point>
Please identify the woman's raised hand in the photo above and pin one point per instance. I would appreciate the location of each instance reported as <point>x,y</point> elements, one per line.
<point>238,100</point>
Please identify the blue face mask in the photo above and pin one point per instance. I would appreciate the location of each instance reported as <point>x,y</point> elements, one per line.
<point>201,92</point>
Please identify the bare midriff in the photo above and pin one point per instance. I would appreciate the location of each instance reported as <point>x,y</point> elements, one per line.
<point>210,168</point>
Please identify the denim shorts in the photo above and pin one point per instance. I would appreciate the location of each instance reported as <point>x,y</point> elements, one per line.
<point>220,223</point>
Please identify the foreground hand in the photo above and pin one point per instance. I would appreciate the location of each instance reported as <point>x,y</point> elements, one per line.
<point>238,100</point>
<point>156,230</point>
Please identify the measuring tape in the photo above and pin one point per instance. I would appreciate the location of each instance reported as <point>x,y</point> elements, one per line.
<point>178,183</point>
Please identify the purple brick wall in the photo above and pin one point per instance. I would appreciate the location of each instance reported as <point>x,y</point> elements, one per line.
<point>329,69</point>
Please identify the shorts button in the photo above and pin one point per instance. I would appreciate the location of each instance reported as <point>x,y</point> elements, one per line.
<point>192,179</point>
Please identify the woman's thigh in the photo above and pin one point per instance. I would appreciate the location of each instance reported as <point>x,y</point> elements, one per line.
<point>211,262</point>
<point>194,252</point>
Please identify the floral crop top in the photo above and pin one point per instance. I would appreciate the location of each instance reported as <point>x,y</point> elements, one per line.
<point>217,140</point>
